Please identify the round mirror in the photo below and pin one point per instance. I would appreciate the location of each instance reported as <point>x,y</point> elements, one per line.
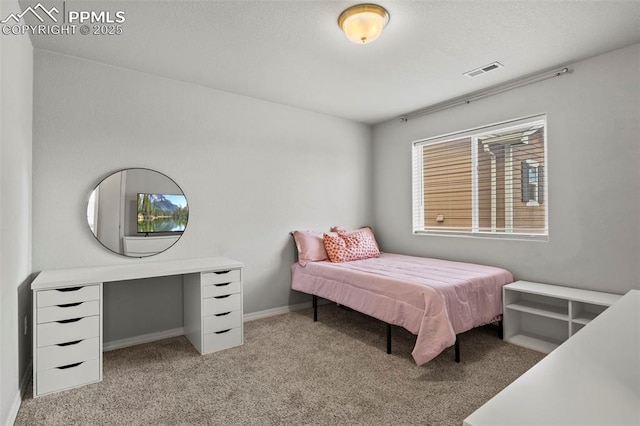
<point>137,212</point>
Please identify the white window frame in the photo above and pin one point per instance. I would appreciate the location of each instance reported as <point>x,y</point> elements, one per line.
<point>475,134</point>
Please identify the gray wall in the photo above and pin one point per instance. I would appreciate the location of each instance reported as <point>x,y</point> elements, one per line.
<point>593,170</point>
<point>16,72</point>
<point>252,171</point>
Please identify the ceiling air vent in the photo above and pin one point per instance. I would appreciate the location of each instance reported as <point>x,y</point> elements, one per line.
<point>483,70</point>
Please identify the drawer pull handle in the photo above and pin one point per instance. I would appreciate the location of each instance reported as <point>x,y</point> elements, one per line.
<point>221,272</point>
<point>223,331</point>
<point>68,320</point>
<point>222,285</point>
<point>64,367</point>
<point>70,305</point>
<point>223,314</point>
<point>69,289</point>
<point>222,297</point>
<point>69,343</point>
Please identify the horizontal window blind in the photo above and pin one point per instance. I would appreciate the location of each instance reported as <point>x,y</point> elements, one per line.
<point>447,177</point>
<point>489,181</point>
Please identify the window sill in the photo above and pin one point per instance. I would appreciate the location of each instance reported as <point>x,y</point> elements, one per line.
<point>485,235</point>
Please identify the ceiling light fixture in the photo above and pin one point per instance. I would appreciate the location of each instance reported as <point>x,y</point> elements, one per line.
<point>363,23</point>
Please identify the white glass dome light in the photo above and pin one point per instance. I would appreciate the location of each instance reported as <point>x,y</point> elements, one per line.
<point>363,23</point>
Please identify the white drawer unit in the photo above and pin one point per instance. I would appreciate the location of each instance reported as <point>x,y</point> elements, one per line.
<point>67,353</point>
<point>67,342</point>
<point>68,295</point>
<point>542,316</point>
<point>221,277</point>
<point>213,309</point>
<point>54,333</point>
<point>222,289</point>
<point>220,340</point>
<point>68,311</point>
<point>68,376</point>
<point>221,304</point>
<point>221,322</point>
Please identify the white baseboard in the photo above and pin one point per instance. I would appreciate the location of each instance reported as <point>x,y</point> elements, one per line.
<point>17,401</point>
<point>13,412</point>
<point>152,337</point>
<point>279,311</point>
<point>144,338</point>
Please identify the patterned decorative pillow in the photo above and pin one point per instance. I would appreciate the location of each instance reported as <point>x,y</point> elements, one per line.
<point>356,245</point>
<point>366,229</point>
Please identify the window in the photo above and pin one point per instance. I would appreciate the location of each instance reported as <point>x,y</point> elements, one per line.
<point>488,181</point>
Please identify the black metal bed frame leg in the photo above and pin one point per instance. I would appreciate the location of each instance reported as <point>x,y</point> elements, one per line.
<point>388,338</point>
<point>314,301</point>
<point>315,307</point>
<point>500,330</point>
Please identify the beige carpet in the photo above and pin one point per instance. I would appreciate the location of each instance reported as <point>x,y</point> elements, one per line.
<point>290,371</point>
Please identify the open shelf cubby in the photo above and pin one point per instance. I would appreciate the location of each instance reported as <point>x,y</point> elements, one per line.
<point>542,316</point>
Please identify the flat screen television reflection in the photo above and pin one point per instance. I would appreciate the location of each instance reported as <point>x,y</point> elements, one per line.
<point>162,213</point>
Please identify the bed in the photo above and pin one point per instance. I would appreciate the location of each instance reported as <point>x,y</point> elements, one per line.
<point>433,299</point>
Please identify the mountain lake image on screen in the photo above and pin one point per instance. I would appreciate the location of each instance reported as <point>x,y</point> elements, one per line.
<point>162,213</point>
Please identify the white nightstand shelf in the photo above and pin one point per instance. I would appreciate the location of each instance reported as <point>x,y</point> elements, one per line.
<point>542,316</point>
<point>535,341</point>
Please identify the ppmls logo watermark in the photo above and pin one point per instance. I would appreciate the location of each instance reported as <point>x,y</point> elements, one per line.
<point>60,21</point>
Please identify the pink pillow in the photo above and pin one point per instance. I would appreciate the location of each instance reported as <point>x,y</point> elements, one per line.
<point>310,246</point>
<point>366,229</point>
<point>355,245</point>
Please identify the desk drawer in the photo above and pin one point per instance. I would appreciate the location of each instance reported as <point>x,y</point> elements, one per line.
<point>221,304</point>
<point>56,379</point>
<point>214,290</point>
<point>52,333</point>
<point>220,277</point>
<point>69,353</point>
<point>221,322</point>
<point>222,340</point>
<point>68,311</point>
<point>63,296</point>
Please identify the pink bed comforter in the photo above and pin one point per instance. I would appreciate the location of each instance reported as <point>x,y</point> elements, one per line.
<point>434,299</point>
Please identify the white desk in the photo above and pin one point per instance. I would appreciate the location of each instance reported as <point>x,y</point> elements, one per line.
<point>591,379</point>
<point>68,315</point>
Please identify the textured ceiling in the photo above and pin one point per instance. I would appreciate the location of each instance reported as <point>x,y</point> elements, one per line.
<point>293,53</point>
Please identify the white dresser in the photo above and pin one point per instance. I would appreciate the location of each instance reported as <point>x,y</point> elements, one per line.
<point>68,315</point>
